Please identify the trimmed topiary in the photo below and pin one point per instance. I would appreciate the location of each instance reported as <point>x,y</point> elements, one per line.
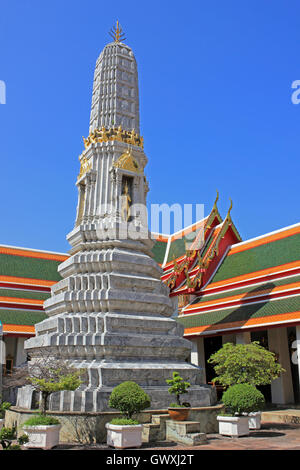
<point>243,398</point>
<point>129,398</point>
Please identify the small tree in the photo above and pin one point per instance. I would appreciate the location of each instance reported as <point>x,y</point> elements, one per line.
<point>129,398</point>
<point>245,363</point>
<point>178,387</point>
<point>48,375</point>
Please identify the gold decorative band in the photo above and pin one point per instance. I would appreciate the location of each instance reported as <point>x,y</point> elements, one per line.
<point>114,133</point>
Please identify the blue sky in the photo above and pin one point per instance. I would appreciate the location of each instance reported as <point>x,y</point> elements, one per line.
<point>215,99</point>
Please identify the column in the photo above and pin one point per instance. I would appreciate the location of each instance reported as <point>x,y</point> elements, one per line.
<point>298,350</point>
<point>281,388</point>
<point>20,356</point>
<point>243,338</point>
<point>197,355</point>
<point>228,339</point>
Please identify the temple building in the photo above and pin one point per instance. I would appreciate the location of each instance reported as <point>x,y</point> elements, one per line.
<point>228,290</point>
<point>237,291</point>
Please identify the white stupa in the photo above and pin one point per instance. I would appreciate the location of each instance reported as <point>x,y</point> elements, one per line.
<point>110,313</point>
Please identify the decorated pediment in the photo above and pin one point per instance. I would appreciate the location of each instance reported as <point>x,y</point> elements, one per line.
<point>128,162</point>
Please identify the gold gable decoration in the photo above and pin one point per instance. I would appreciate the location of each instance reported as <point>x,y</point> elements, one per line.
<point>128,162</point>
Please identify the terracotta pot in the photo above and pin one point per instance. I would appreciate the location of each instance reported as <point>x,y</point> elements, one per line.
<point>179,414</point>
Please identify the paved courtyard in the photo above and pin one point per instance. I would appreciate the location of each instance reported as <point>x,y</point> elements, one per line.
<point>271,436</point>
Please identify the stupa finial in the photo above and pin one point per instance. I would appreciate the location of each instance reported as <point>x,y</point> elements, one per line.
<point>117,33</point>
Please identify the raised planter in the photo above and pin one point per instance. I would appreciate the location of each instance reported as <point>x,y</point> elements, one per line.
<point>42,437</point>
<point>124,436</point>
<point>178,414</point>
<point>254,420</point>
<point>234,426</point>
<point>1,423</point>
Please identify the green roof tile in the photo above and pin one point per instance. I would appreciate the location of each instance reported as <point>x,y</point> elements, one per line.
<point>159,250</point>
<point>33,268</point>
<point>261,257</point>
<point>242,313</point>
<point>267,287</point>
<point>24,294</point>
<point>21,317</point>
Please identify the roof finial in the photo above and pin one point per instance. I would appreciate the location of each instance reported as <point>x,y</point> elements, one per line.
<point>117,33</point>
<point>229,210</point>
<point>217,198</point>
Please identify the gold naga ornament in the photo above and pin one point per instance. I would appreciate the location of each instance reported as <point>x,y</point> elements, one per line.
<point>85,166</point>
<point>106,134</point>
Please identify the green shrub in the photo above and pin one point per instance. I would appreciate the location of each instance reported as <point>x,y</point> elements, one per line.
<point>245,363</point>
<point>178,387</point>
<point>124,421</point>
<point>129,398</point>
<point>4,405</point>
<point>41,420</point>
<point>243,398</point>
<point>7,435</point>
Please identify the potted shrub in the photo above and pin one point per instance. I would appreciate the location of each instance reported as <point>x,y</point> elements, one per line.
<point>178,411</point>
<point>4,405</point>
<point>8,435</point>
<point>245,363</point>
<point>239,400</point>
<point>47,377</point>
<point>129,398</point>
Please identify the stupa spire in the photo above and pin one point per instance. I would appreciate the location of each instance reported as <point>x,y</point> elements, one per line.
<point>115,100</point>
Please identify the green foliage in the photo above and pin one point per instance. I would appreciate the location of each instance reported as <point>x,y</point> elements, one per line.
<point>71,381</point>
<point>55,379</point>
<point>124,421</point>
<point>41,420</point>
<point>129,398</point>
<point>245,363</point>
<point>4,405</point>
<point>7,435</point>
<point>178,386</point>
<point>176,405</point>
<point>243,398</point>
<point>23,439</point>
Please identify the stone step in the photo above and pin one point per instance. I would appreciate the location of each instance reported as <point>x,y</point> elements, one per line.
<point>156,430</point>
<point>185,432</point>
<point>157,419</point>
<point>150,432</point>
<point>186,427</point>
<point>291,416</point>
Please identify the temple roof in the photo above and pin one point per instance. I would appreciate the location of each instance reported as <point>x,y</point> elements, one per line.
<point>256,284</point>
<point>26,276</point>
<point>187,266</point>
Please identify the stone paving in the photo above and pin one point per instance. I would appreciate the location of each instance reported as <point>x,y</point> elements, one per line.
<point>271,436</point>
